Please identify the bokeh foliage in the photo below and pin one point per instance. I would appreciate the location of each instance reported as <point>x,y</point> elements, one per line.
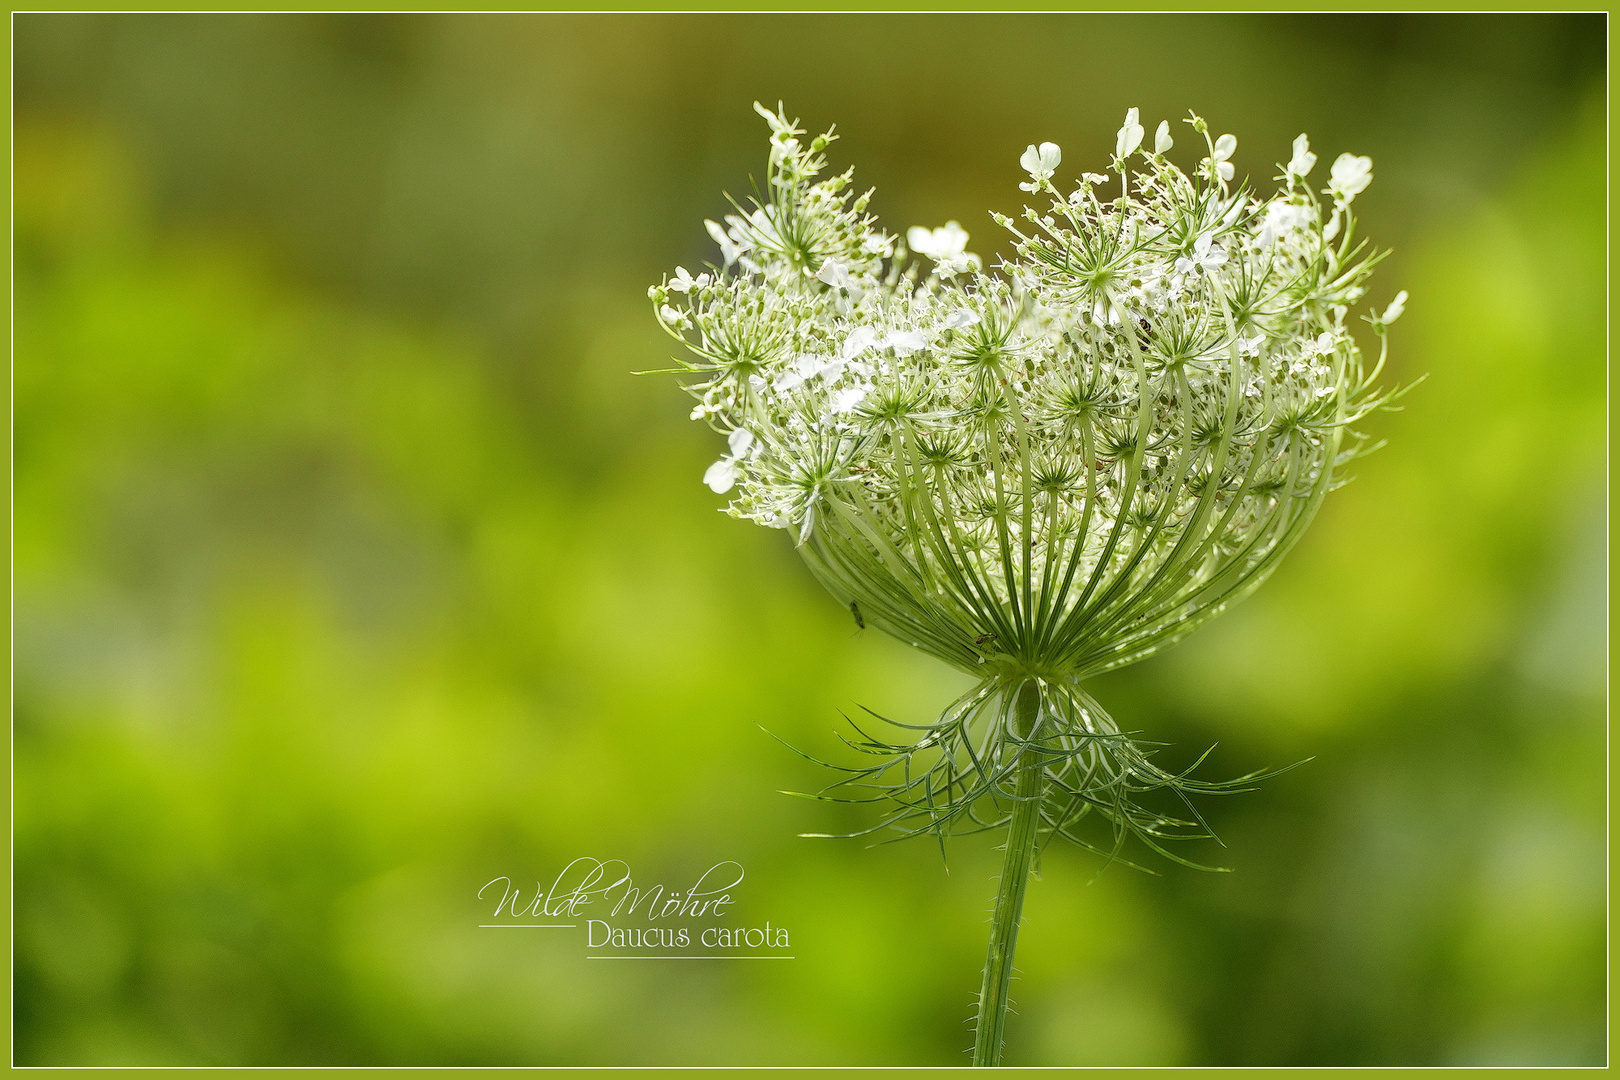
<point>353,569</point>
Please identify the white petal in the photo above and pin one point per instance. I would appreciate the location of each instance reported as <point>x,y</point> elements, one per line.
<point>1303,160</point>
<point>834,273</point>
<point>721,476</point>
<point>845,400</point>
<point>920,240</point>
<point>951,238</point>
<point>1030,159</point>
<point>1161,138</point>
<point>1130,134</point>
<point>1395,309</point>
<point>830,368</point>
<point>860,339</point>
<point>906,342</point>
<point>1350,175</point>
<point>729,248</point>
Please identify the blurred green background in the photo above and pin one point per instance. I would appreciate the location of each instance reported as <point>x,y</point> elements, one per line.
<point>354,569</point>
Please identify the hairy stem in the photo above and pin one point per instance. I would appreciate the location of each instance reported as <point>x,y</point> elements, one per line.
<point>1015,867</point>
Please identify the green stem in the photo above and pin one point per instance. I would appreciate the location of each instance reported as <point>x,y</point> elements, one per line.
<point>1015,867</point>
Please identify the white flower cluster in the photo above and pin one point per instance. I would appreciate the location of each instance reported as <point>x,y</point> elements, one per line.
<point>1062,464</point>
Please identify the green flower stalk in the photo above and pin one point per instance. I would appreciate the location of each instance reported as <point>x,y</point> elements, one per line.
<point>1037,473</point>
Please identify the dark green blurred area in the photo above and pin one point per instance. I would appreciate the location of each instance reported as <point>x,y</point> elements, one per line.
<point>353,569</point>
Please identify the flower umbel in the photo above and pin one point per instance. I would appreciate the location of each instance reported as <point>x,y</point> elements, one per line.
<point>1047,472</point>
<point>1044,471</point>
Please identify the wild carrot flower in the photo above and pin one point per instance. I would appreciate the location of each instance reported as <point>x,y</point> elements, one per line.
<point>1040,472</point>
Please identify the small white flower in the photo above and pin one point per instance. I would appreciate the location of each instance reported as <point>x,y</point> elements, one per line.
<point>721,476</point>
<point>859,340</point>
<point>1161,138</point>
<point>878,244</point>
<point>1095,177</point>
<point>675,317</point>
<point>830,369</point>
<point>782,149</point>
<point>1250,346</point>
<point>805,368</point>
<point>844,401</point>
<point>1130,134</point>
<point>1396,307</point>
<point>1303,160</point>
<point>906,342</point>
<point>1281,219</point>
<point>1040,164</point>
<point>948,239</point>
<point>778,124</point>
<point>730,249</point>
<point>833,272</point>
<point>1220,158</point>
<point>685,282</point>
<point>1324,344</point>
<point>1350,176</point>
<point>946,245</point>
<point>1206,255</point>
<point>961,320</point>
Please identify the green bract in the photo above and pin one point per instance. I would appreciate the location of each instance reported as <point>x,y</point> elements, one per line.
<point>1047,470</point>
